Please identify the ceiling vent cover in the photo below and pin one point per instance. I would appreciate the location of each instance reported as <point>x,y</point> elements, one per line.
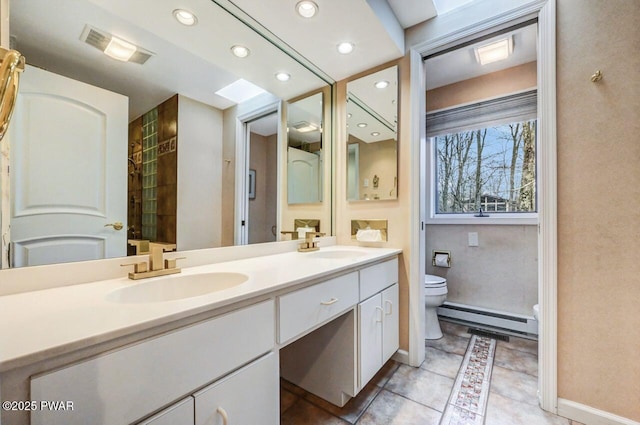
<point>100,40</point>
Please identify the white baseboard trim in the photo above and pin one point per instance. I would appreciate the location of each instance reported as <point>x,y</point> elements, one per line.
<point>589,415</point>
<point>401,356</point>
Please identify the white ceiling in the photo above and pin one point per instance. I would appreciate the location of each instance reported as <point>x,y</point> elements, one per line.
<point>461,64</point>
<point>196,61</point>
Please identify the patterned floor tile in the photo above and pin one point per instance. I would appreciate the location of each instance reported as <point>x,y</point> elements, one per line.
<point>391,409</point>
<point>441,362</point>
<point>471,388</point>
<point>421,386</point>
<point>456,416</point>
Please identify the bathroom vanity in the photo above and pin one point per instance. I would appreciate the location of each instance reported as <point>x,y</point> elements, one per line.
<point>115,353</point>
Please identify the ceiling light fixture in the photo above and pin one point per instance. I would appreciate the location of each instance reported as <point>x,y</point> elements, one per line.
<point>240,51</point>
<point>283,76</point>
<point>307,9</point>
<point>362,124</point>
<point>345,47</point>
<point>494,52</point>
<point>185,17</point>
<point>375,134</point>
<point>381,84</point>
<point>119,49</point>
<point>305,127</point>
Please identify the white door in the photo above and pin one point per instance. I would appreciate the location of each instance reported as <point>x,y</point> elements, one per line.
<point>391,322</point>
<point>370,316</point>
<point>68,171</point>
<point>303,177</point>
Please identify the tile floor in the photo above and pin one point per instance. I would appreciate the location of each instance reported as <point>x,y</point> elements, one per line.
<point>404,395</point>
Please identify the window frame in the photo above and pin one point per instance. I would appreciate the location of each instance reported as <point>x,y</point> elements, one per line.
<point>493,218</point>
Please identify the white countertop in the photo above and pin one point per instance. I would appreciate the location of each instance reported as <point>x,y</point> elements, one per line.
<point>40,324</point>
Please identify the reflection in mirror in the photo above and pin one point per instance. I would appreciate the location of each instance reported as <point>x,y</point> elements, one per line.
<point>304,150</point>
<point>372,155</point>
<point>111,150</point>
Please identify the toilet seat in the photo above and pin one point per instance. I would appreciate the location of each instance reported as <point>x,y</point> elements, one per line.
<point>431,281</point>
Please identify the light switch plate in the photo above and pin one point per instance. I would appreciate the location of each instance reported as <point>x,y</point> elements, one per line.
<point>473,239</point>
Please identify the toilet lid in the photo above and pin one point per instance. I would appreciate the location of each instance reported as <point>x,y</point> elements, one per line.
<point>430,279</point>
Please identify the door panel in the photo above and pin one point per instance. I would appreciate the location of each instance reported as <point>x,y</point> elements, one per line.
<point>391,322</point>
<point>303,177</point>
<point>68,170</point>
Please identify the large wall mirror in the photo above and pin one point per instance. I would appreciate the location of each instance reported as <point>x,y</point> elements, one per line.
<point>372,147</point>
<point>126,128</point>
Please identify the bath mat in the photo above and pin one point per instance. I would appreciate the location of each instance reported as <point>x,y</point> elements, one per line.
<point>468,401</point>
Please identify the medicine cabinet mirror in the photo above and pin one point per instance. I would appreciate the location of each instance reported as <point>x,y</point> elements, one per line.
<point>305,150</point>
<point>372,145</point>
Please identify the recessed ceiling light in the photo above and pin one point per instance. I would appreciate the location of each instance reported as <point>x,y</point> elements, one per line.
<point>494,52</point>
<point>307,9</point>
<point>349,115</point>
<point>185,17</point>
<point>381,84</point>
<point>240,51</point>
<point>345,47</point>
<point>283,76</point>
<point>362,124</point>
<point>119,49</point>
<point>375,134</point>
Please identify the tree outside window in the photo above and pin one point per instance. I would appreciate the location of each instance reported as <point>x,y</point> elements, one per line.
<point>492,168</point>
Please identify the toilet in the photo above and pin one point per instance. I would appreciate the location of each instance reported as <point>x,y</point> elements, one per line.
<point>435,293</point>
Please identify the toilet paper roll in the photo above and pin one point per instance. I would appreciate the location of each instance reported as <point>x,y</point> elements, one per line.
<point>442,260</point>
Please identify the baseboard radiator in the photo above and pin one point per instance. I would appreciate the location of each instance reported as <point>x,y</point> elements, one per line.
<point>492,318</point>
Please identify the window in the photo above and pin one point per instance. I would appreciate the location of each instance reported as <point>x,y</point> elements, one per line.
<point>484,159</point>
<point>490,168</point>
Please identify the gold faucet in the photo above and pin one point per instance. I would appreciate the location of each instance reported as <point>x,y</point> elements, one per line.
<point>157,265</point>
<point>309,244</point>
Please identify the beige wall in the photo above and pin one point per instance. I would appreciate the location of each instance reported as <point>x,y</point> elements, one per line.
<point>396,211</point>
<point>500,274</point>
<point>512,80</point>
<point>599,204</point>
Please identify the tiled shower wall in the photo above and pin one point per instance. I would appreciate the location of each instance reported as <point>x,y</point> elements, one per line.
<point>152,194</point>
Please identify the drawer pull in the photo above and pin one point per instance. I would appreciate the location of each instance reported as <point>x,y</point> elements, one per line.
<point>223,413</point>
<point>331,301</point>
<point>390,304</point>
<point>381,313</point>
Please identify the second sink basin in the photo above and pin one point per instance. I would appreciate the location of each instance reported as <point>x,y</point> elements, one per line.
<point>344,254</point>
<point>178,287</point>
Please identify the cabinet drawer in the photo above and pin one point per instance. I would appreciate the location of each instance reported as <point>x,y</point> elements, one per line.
<point>303,309</point>
<point>378,277</point>
<point>247,397</point>
<point>125,385</point>
<point>180,413</point>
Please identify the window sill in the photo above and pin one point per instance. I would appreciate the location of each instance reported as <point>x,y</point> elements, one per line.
<point>493,219</point>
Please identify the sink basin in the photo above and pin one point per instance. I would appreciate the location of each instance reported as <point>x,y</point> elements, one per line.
<point>176,287</point>
<point>343,254</point>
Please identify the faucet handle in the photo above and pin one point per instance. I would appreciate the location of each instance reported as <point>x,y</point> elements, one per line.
<point>137,267</point>
<point>309,236</point>
<point>293,233</point>
<point>170,263</point>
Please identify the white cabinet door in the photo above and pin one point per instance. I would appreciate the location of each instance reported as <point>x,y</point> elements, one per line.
<point>370,315</point>
<point>180,413</point>
<point>248,396</point>
<point>390,322</point>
